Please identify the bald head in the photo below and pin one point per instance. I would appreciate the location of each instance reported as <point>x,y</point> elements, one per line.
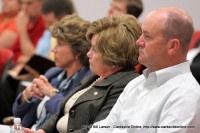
<point>177,23</point>
<point>166,35</point>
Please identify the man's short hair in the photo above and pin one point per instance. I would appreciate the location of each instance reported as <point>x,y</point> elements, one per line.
<point>134,7</point>
<point>59,7</point>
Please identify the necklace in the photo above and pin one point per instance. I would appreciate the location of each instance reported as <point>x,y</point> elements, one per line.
<point>79,93</point>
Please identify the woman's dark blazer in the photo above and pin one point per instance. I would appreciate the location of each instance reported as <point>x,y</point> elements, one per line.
<point>28,111</point>
<point>94,105</point>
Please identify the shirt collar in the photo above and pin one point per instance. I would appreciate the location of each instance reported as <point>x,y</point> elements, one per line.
<point>163,75</point>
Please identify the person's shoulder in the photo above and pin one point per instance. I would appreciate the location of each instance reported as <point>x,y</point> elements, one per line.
<point>54,71</point>
<point>134,83</point>
<point>188,84</point>
<point>186,92</point>
<point>122,77</point>
<point>128,74</point>
<point>87,71</point>
<point>89,78</point>
<point>136,80</point>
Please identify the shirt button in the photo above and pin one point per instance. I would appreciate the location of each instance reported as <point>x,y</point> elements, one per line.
<point>95,93</point>
<point>72,113</point>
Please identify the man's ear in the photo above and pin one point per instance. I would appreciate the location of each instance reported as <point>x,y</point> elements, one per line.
<point>173,46</point>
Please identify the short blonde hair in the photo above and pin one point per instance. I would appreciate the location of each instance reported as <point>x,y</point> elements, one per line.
<point>116,39</point>
<point>72,29</point>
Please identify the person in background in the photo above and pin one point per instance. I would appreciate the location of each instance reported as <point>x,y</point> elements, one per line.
<point>30,26</point>
<point>8,30</point>
<point>112,57</point>
<point>52,11</point>
<point>70,55</point>
<point>132,7</point>
<point>166,98</point>
<point>194,58</point>
<point>8,36</point>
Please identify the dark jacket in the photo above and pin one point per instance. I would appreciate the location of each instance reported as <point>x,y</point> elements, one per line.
<point>93,105</point>
<point>28,111</point>
<point>195,67</point>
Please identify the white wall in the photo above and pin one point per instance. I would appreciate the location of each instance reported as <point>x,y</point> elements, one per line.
<point>191,6</point>
<point>94,9</point>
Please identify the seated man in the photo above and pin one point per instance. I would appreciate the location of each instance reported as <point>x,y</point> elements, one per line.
<point>30,26</point>
<point>166,98</point>
<point>8,30</point>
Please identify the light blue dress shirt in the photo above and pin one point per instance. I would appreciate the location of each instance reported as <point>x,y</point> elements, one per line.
<point>44,44</point>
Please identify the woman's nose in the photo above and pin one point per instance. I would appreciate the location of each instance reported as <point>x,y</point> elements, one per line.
<point>88,53</point>
<point>140,42</point>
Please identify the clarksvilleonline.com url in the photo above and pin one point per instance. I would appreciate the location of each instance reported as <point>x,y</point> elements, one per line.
<point>136,126</point>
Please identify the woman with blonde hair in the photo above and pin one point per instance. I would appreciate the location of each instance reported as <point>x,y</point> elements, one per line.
<point>112,57</point>
<point>42,99</point>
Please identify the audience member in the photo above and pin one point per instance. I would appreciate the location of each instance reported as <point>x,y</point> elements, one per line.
<point>30,26</point>
<point>195,67</point>
<point>166,98</point>
<point>51,14</point>
<point>194,57</point>
<point>70,54</point>
<point>132,7</point>
<point>52,11</point>
<point>112,57</point>
<point>8,30</point>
